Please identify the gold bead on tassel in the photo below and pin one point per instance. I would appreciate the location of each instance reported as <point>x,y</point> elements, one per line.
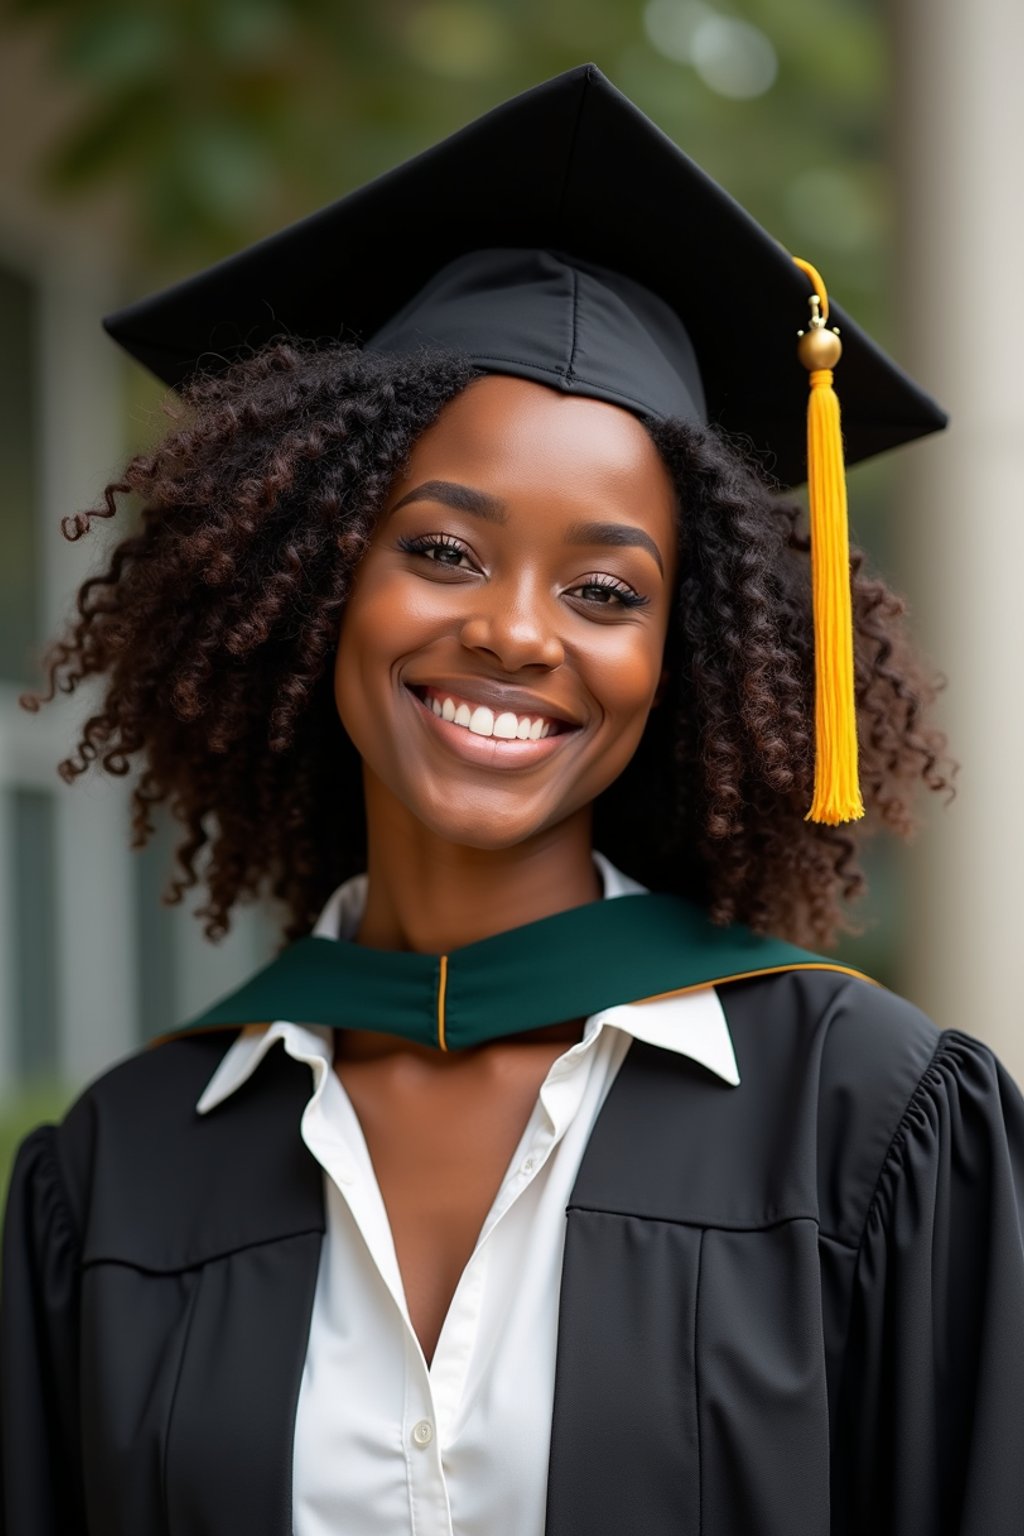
<point>837,795</point>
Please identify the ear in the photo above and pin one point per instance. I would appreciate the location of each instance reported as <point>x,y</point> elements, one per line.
<point>659,692</point>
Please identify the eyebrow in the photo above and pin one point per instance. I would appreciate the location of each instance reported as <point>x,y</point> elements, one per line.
<point>615,535</point>
<point>465,498</point>
<point>462,497</point>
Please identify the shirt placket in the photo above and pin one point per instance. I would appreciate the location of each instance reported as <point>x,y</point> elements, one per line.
<point>333,1135</point>
<point>433,1396</point>
<point>429,1508</point>
<point>557,1103</point>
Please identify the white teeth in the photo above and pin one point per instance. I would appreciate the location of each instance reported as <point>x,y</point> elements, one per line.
<point>481,721</point>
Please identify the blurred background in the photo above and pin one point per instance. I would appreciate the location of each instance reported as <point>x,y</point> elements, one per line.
<point>141,140</point>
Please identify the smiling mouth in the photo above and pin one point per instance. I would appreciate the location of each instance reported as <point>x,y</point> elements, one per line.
<point>481,720</point>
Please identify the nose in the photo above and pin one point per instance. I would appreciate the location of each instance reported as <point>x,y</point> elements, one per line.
<point>517,633</point>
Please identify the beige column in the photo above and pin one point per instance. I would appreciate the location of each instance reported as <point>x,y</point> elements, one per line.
<point>959,121</point>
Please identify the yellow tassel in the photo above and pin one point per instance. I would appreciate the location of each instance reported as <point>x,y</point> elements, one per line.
<point>837,795</point>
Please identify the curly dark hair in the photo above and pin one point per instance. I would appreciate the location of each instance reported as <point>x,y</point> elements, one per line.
<point>215,625</point>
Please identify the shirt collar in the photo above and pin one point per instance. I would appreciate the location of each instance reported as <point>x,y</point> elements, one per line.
<point>693,1024</point>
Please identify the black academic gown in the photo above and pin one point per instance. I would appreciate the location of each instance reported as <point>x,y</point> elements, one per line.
<point>791,1308</point>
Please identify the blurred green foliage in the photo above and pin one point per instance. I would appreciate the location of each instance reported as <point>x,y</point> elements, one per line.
<point>227,118</point>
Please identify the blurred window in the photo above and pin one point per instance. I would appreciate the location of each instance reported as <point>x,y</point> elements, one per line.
<point>19,561</point>
<point>35,950</point>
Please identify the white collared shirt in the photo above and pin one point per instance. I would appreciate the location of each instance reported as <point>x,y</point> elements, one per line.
<point>386,1445</point>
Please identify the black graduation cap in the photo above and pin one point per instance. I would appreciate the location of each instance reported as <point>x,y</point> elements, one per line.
<point>563,237</point>
<point>694,313</point>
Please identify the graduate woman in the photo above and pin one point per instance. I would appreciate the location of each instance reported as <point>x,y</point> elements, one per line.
<point>541,1185</point>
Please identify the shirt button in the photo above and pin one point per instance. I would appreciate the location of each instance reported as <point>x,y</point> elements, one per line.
<point>528,1165</point>
<point>423,1432</point>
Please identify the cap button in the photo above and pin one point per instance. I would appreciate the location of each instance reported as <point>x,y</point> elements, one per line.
<point>819,348</point>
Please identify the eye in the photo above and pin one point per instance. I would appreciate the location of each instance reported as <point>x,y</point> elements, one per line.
<point>606,592</point>
<point>438,548</point>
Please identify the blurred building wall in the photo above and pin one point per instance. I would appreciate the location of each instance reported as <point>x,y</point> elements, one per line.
<point>90,963</point>
<point>959,118</point>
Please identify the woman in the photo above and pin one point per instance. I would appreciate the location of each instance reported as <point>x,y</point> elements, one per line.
<point>484,621</point>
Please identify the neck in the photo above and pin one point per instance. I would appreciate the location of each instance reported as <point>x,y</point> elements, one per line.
<point>431,896</point>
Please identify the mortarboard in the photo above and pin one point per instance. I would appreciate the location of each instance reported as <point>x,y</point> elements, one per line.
<point>563,237</point>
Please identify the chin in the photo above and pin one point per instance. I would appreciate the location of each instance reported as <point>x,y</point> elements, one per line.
<point>488,821</point>
<point>480,827</point>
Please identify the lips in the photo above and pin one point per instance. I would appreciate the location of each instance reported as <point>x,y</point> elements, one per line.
<point>499,698</point>
<point>487,740</point>
<point>505,725</point>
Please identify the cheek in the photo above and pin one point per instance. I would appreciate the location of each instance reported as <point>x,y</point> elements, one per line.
<point>392,611</point>
<point>627,672</point>
<point>363,626</point>
<point>385,619</point>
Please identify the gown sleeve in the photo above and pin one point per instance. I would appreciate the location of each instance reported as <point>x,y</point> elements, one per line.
<point>930,1432</point>
<point>40,1466</point>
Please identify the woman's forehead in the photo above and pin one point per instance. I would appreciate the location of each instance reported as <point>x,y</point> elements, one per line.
<point>520,437</point>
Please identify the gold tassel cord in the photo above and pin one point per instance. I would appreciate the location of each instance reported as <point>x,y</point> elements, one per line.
<point>837,796</point>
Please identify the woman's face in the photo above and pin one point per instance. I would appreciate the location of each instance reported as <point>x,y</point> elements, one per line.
<point>520,581</point>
